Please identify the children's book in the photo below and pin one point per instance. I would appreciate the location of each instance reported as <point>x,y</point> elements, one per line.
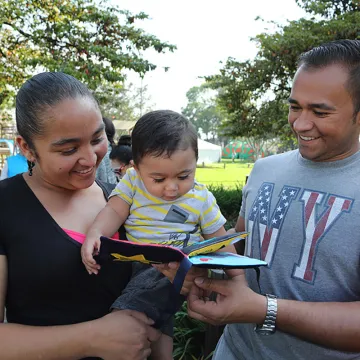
<point>202,254</point>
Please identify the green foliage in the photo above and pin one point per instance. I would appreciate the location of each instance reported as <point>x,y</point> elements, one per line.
<point>91,40</point>
<point>189,336</point>
<point>229,201</point>
<point>124,103</point>
<point>203,111</point>
<point>329,8</point>
<point>253,93</point>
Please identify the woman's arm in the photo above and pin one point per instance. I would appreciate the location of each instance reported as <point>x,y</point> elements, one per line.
<point>119,335</point>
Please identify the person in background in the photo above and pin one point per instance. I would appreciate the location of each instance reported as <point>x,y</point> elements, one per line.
<point>104,171</point>
<point>121,157</point>
<point>14,164</point>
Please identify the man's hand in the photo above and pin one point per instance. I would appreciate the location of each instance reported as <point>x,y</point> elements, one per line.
<point>170,269</point>
<point>235,302</point>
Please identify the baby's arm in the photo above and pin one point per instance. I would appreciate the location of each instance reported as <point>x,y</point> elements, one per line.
<point>107,224</point>
<point>220,232</point>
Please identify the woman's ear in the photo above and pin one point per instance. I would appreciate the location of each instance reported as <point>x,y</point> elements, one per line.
<point>25,148</point>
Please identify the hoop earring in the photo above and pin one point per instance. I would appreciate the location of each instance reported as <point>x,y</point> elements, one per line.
<point>31,165</point>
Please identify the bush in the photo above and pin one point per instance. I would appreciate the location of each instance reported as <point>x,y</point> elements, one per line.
<point>229,201</point>
<point>189,337</point>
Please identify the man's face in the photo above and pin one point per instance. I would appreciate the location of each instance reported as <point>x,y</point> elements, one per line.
<point>321,114</point>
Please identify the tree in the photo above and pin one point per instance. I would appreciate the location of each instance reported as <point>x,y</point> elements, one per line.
<point>118,104</point>
<point>95,42</point>
<point>126,103</point>
<point>202,111</point>
<point>254,93</point>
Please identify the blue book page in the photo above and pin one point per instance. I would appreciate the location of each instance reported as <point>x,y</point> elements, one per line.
<point>225,260</point>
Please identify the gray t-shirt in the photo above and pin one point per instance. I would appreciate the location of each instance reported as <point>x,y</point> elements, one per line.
<point>304,219</point>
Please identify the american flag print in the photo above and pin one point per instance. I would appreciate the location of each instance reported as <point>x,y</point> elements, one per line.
<point>316,226</point>
<point>269,224</point>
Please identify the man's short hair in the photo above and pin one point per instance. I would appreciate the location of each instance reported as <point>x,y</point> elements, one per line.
<point>345,53</point>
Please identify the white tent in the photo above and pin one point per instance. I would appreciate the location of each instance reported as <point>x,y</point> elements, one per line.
<point>208,152</point>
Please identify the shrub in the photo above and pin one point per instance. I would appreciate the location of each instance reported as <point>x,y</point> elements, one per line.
<point>229,201</point>
<point>189,337</point>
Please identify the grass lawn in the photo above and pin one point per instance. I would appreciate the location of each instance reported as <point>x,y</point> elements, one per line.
<point>226,173</point>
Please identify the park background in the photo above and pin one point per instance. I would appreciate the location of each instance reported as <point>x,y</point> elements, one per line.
<point>227,66</point>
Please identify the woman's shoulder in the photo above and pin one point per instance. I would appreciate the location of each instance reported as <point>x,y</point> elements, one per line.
<point>9,185</point>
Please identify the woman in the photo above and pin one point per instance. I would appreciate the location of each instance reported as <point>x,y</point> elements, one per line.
<point>104,171</point>
<point>121,156</point>
<point>54,309</point>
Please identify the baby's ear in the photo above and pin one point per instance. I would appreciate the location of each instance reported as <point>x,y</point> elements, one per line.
<point>135,167</point>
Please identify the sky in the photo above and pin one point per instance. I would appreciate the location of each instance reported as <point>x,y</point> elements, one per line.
<point>205,33</point>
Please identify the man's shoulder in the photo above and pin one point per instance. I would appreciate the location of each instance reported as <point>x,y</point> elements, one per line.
<point>278,159</point>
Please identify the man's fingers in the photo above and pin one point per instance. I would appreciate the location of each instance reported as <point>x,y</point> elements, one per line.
<point>231,273</point>
<point>213,285</point>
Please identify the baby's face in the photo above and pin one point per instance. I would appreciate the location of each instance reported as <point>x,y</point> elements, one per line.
<point>168,178</point>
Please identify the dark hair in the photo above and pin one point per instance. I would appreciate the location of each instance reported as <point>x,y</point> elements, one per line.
<point>40,93</point>
<point>109,130</point>
<point>124,140</point>
<point>122,151</point>
<point>341,52</point>
<point>162,132</point>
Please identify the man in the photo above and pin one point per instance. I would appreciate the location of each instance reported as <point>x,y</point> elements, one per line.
<point>302,210</point>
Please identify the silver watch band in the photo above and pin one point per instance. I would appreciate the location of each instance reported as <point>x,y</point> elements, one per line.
<point>268,327</point>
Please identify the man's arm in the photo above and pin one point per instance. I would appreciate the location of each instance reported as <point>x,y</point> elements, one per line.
<point>333,325</point>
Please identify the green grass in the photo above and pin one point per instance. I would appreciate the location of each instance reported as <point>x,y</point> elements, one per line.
<point>227,173</point>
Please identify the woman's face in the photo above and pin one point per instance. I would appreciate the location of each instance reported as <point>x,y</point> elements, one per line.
<point>72,146</point>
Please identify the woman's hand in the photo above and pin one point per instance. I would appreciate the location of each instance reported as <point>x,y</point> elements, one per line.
<point>235,301</point>
<point>122,335</point>
<point>170,269</point>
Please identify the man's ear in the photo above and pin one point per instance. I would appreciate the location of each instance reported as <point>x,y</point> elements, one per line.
<point>25,148</point>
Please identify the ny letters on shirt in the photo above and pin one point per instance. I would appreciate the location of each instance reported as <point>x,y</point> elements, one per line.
<point>320,212</point>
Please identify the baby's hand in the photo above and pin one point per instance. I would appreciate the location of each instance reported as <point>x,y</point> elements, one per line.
<point>90,247</point>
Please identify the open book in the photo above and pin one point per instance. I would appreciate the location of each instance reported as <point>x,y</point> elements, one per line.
<point>203,254</point>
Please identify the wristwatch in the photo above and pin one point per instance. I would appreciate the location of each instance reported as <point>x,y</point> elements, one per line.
<point>268,327</point>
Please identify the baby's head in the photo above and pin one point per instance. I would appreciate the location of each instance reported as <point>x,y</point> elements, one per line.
<point>165,152</point>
